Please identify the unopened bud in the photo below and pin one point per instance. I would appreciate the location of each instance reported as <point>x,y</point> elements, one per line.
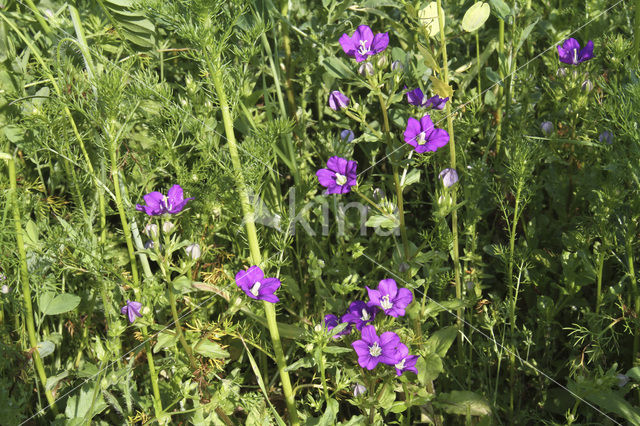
<point>167,227</point>
<point>151,230</point>
<point>366,69</point>
<point>193,251</point>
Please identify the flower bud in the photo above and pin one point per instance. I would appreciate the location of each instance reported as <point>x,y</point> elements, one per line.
<point>561,72</point>
<point>5,289</point>
<point>623,379</point>
<point>546,127</point>
<point>587,85</point>
<point>397,66</point>
<point>382,61</point>
<point>167,227</point>
<point>366,69</point>
<point>347,135</point>
<point>359,389</point>
<point>449,177</point>
<point>193,251</point>
<point>151,230</point>
<point>338,100</point>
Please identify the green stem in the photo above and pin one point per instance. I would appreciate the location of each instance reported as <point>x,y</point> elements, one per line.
<point>396,178</point>
<point>216,70</point>
<point>501,88</point>
<point>636,36</point>
<point>452,156</point>
<point>24,278</point>
<point>39,17</point>
<point>323,377</point>
<point>176,320</point>
<point>479,67</point>
<point>634,290</point>
<point>157,401</point>
<point>120,206</point>
<point>599,281</point>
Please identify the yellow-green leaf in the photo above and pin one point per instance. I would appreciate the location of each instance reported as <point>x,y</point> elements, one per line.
<point>476,16</point>
<point>441,88</point>
<point>429,18</point>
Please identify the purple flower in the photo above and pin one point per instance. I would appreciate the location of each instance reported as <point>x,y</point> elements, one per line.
<point>373,349</point>
<point>436,102</point>
<point>389,298</point>
<point>158,204</point>
<point>606,136</point>
<point>570,52</point>
<point>423,136</point>
<point>363,44</point>
<point>331,322</point>
<point>256,286</point>
<point>449,177</point>
<point>132,310</point>
<point>407,362</point>
<point>339,176</point>
<point>415,97</point>
<point>546,127</point>
<point>360,314</point>
<point>347,135</point>
<point>338,100</point>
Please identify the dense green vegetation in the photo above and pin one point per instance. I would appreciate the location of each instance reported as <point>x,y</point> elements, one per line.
<point>238,212</point>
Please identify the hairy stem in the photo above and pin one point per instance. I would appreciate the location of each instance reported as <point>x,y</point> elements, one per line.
<point>215,68</point>
<point>24,278</point>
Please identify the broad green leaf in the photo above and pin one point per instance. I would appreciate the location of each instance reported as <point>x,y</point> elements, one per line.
<point>433,308</point>
<point>500,8</point>
<point>306,362</point>
<point>59,304</point>
<point>429,368</point>
<point>337,68</point>
<point>164,340</point>
<point>336,350</point>
<point>440,341</point>
<point>524,35</point>
<point>607,401</point>
<point>382,222</point>
<point>210,349</point>
<point>52,381</point>
<point>45,348</point>
<point>429,60</point>
<point>412,177</point>
<point>476,16</point>
<point>463,403</point>
<point>634,374</point>
<point>493,76</point>
<point>429,18</point>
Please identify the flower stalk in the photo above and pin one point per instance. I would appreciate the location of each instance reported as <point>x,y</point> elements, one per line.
<point>24,278</point>
<point>452,155</point>
<point>215,69</point>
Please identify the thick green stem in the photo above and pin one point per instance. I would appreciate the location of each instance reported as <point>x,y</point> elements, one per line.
<point>452,156</point>
<point>157,401</point>
<point>396,177</point>
<point>24,278</point>
<point>119,205</point>
<point>215,69</point>
<point>634,290</point>
<point>501,88</point>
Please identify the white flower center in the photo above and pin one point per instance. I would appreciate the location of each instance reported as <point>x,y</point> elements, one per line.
<point>166,202</point>
<point>341,179</point>
<point>385,303</point>
<point>575,56</point>
<point>375,349</point>
<point>421,138</point>
<point>365,315</point>
<point>363,47</point>
<point>255,288</point>
<point>400,365</point>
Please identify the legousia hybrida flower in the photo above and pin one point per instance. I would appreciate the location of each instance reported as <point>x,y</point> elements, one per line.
<point>373,349</point>
<point>360,314</point>
<point>423,136</point>
<point>406,362</point>
<point>390,298</point>
<point>132,310</point>
<point>256,286</point>
<point>449,177</point>
<point>416,97</point>
<point>338,100</point>
<point>363,43</point>
<point>339,176</point>
<point>570,52</point>
<point>331,322</point>
<point>158,204</point>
